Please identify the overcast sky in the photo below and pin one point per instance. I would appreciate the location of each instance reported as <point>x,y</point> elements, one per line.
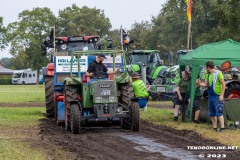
<point>120,12</point>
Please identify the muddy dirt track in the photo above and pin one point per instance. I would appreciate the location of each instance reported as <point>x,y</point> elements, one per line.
<point>152,142</point>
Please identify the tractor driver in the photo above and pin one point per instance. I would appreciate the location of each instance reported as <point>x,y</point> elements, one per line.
<point>97,70</point>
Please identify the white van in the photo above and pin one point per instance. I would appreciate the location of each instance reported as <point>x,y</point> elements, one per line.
<point>26,76</point>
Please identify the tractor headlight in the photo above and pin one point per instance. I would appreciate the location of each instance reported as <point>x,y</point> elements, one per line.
<point>111,99</point>
<point>98,99</point>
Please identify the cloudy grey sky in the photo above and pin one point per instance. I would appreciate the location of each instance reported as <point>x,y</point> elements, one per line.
<point>120,12</point>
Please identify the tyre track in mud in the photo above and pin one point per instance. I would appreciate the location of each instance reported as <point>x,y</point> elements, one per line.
<point>109,142</point>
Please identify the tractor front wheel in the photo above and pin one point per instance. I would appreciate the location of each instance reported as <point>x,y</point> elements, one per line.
<point>135,117</point>
<point>75,119</point>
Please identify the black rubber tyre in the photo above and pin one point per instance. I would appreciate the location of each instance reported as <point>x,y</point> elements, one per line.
<point>49,95</point>
<point>135,117</point>
<point>127,94</point>
<point>71,94</point>
<point>233,92</point>
<point>23,82</point>
<point>75,119</point>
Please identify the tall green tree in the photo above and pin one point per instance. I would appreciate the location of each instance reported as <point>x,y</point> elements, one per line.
<point>27,34</point>
<point>3,42</point>
<point>83,21</point>
<point>139,33</point>
<point>212,21</point>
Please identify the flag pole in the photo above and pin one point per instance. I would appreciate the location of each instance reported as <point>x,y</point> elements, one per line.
<point>189,16</point>
<point>188,36</point>
<point>121,36</point>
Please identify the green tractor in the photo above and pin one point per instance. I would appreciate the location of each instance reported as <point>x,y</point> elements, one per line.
<point>103,101</point>
<point>163,88</point>
<point>146,63</point>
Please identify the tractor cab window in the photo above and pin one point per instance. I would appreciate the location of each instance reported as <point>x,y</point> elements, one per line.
<point>139,59</point>
<point>153,60</point>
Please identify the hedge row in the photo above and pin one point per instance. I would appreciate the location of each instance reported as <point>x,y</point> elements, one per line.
<point>5,81</point>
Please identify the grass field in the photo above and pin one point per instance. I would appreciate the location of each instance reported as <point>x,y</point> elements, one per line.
<point>165,117</point>
<point>15,126</point>
<point>22,93</point>
<point>19,135</point>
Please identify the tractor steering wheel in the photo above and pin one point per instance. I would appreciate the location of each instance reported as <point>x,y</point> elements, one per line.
<point>99,75</point>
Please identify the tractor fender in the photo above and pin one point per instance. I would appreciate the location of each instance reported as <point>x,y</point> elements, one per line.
<point>159,70</point>
<point>48,70</point>
<point>232,83</point>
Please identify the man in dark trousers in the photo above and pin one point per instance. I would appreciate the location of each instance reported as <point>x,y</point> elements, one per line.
<point>97,70</point>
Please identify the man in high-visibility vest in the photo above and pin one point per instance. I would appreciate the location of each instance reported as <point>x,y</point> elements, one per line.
<point>139,88</point>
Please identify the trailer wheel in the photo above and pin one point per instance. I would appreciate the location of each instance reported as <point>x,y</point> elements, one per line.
<point>75,119</point>
<point>233,92</point>
<point>49,95</point>
<point>70,94</point>
<point>135,117</point>
<point>23,82</point>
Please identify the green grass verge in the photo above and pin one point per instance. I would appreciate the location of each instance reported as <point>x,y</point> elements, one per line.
<point>19,135</point>
<point>22,93</point>
<point>20,117</point>
<point>15,123</point>
<point>165,117</point>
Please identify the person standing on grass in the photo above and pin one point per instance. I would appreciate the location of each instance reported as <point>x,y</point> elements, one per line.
<point>196,103</point>
<point>214,81</point>
<point>182,94</point>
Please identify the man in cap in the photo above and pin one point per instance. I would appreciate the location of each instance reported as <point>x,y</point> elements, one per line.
<point>139,88</point>
<point>97,70</point>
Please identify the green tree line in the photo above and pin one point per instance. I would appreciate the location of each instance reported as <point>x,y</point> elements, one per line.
<point>212,21</point>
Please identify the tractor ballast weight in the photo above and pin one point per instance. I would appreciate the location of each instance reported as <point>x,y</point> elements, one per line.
<point>102,100</point>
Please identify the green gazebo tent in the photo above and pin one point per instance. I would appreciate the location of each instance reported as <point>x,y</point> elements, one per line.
<point>219,52</point>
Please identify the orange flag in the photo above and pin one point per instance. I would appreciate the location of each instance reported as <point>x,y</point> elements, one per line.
<point>189,10</point>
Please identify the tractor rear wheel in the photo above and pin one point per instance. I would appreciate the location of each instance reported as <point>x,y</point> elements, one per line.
<point>135,117</point>
<point>233,92</point>
<point>75,119</point>
<point>71,94</point>
<point>49,95</point>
